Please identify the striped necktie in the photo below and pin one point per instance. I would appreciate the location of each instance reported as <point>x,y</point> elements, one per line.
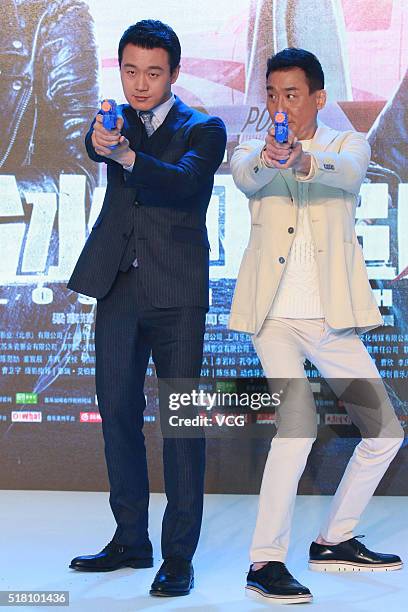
<point>146,117</point>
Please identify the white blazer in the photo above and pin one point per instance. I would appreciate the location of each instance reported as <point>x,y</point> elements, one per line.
<point>339,165</point>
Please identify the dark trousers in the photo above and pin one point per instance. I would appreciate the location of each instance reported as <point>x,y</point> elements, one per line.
<point>128,330</point>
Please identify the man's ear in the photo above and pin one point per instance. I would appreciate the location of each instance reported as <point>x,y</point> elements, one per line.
<point>174,74</point>
<point>321,99</point>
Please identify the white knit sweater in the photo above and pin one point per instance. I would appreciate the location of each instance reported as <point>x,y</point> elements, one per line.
<point>298,295</point>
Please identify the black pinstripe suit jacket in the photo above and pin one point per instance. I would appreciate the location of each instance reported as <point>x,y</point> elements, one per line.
<point>158,213</point>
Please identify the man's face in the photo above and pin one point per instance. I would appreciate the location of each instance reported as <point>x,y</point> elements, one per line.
<point>146,77</point>
<point>288,92</point>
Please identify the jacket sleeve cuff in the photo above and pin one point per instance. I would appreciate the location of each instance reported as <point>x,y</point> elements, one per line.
<point>344,170</point>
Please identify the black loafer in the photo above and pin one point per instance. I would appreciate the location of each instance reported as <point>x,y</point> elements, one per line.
<point>273,582</point>
<point>350,556</point>
<point>112,557</point>
<point>175,577</point>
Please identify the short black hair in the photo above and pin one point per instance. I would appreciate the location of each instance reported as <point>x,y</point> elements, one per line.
<point>149,34</point>
<point>298,58</point>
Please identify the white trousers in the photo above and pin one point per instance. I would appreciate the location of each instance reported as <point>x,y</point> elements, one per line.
<point>282,346</point>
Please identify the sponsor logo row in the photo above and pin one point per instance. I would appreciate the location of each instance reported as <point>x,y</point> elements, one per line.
<point>36,416</point>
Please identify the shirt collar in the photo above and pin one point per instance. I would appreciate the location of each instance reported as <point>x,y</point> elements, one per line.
<point>161,111</point>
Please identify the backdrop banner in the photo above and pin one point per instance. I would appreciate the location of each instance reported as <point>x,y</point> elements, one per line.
<point>57,60</point>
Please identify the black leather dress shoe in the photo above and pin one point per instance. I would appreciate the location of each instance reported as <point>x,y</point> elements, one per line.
<point>275,583</point>
<point>112,557</point>
<point>175,577</point>
<point>350,556</point>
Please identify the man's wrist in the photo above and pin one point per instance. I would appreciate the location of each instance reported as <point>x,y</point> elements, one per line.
<point>129,161</point>
<point>305,163</point>
<point>263,158</point>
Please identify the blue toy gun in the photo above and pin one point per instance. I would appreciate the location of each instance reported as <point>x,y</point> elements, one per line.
<point>281,130</point>
<point>109,114</point>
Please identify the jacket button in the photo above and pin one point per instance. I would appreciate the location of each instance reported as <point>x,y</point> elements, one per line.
<point>136,203</point>
<point>291,230</point>
<point>281,260</point>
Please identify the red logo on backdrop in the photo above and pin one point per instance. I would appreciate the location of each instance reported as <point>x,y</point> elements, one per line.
<point>90,417</point>
<point>265,419</point>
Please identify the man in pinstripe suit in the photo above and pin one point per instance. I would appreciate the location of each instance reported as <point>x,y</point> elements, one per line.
<point>146,262</point>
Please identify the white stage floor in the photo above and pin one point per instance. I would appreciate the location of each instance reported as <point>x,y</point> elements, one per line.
<point>42,531</point>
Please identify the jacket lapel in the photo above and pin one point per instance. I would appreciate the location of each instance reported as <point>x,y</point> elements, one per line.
<point>291,184</point>
<point>324,135</point>
<point>176,117</point>
<point>132,127</point>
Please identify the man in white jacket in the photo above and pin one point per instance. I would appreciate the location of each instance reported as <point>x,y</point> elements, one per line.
<point>303,292</point>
